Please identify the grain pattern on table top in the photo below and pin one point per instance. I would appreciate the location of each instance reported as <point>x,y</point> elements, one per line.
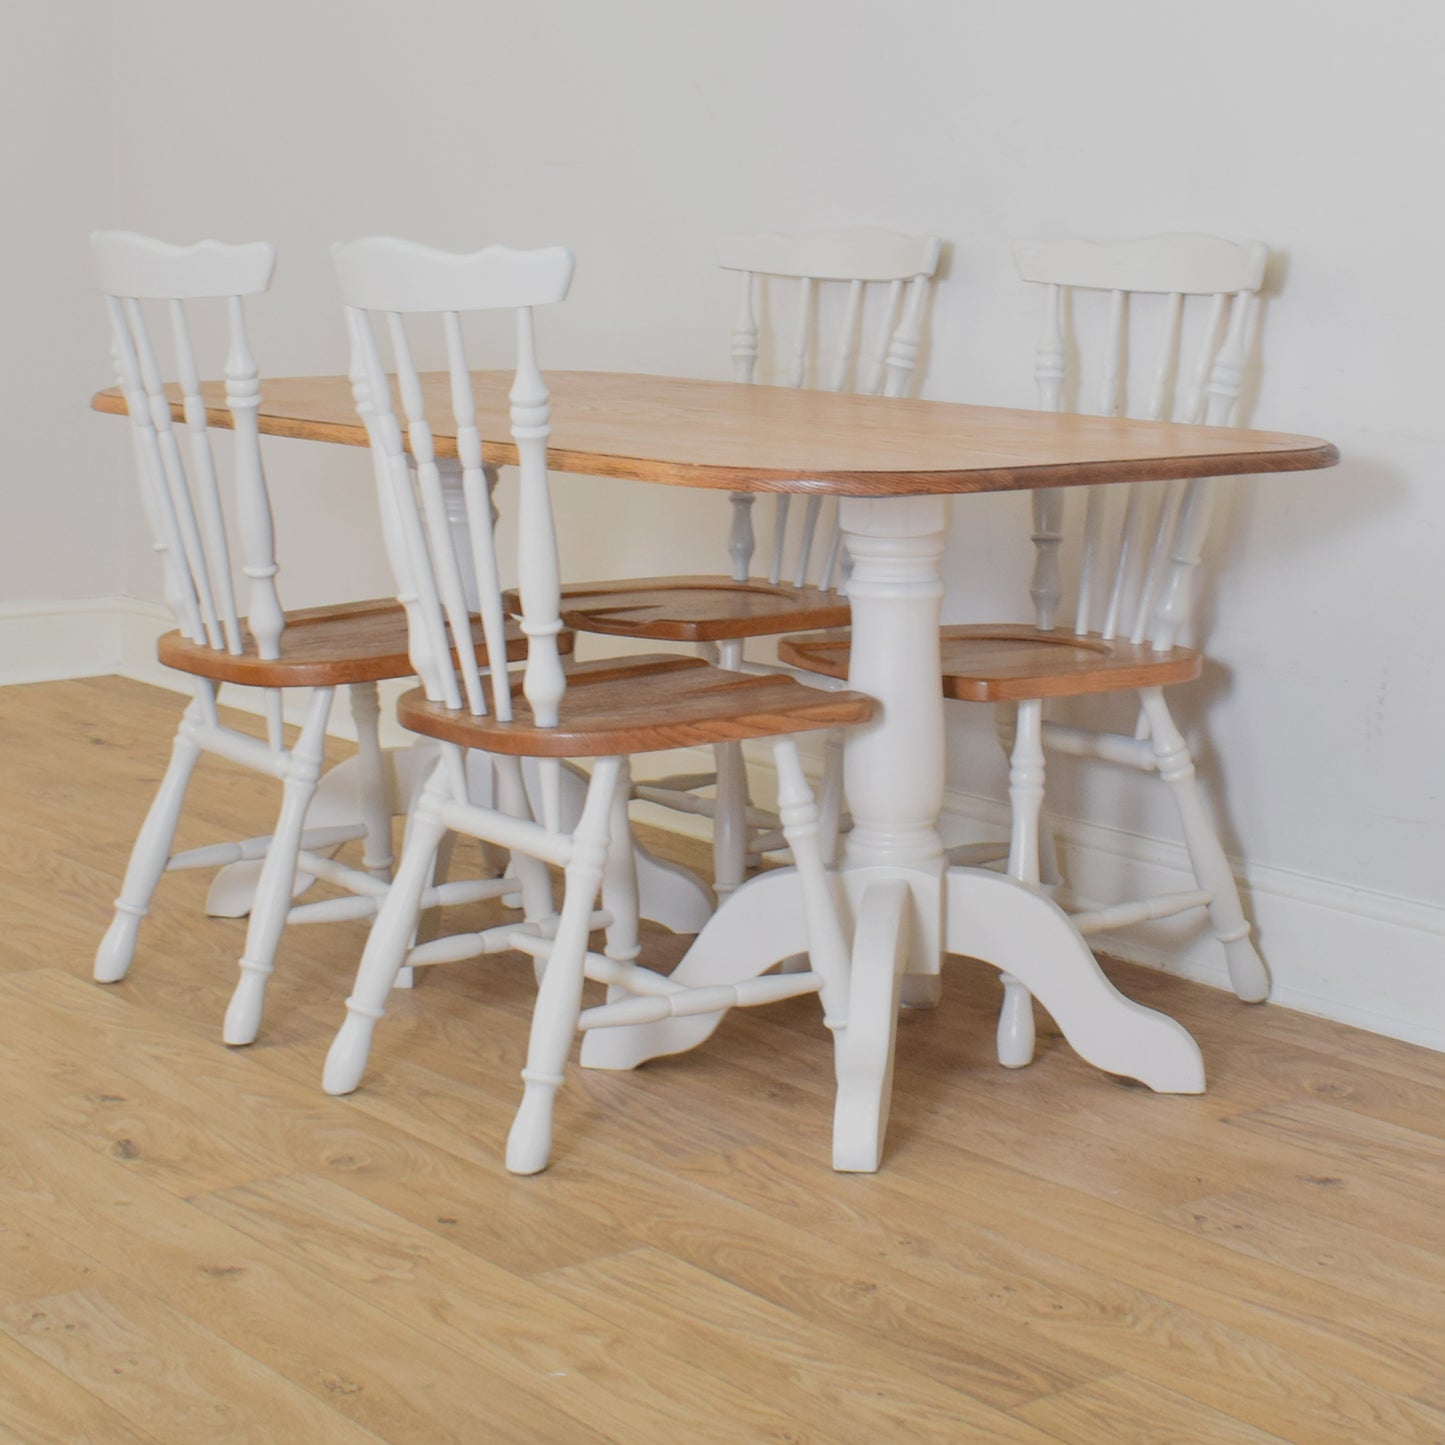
<point>766,438</point>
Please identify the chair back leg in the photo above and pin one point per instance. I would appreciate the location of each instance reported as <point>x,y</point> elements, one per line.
<point>1247,971</point>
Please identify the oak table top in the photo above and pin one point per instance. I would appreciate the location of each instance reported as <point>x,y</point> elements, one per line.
<point>767,438</point>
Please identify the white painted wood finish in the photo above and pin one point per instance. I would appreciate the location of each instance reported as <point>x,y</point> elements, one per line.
<point>201,561</point>
<point>522,808</point>
<point>905,906</point>
<point>871,346</point>
<point>1138,547</point>
<point>868,342</point>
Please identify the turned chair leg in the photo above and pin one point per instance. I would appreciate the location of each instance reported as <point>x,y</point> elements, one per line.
<point>1247,971</point>
<point>390,937</point>
<point>620,898</point>
<point>373,787</point>
<point>278,875</point>
<point>1026,798</point>
<point>730,826</point>
<point>830,797</point>
<point>559,998</point>
<point>149,854</point>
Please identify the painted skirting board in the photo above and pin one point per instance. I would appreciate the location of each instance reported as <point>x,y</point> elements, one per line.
<point>1362,957</point>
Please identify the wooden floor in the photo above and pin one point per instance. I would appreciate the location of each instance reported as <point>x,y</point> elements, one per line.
<point>196,1244</point>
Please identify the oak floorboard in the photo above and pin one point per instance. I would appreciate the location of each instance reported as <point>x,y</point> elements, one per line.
<point>598,1371</point>
<point>1358,1261</point>
<point>335,1349</point>
<point>1121,1410</point>
<point>42,1405</point>
<point>166,1374</point>
<point>709,1319</point>
<point>1050,1252</point>
<point>1047,1254</point>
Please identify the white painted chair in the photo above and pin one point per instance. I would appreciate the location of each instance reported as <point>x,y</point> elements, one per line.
<point>605,709</point>
<point>203,551</point>
<point>868,342</point>
<point>1139,548</point>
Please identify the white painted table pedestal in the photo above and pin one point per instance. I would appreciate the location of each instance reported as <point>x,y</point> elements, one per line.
<point>907,908</point>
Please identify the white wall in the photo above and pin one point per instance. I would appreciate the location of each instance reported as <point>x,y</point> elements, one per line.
<point>637,130</point>
<point>56,174</point>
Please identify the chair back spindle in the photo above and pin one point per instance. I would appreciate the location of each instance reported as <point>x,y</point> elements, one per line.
<point>385,280</point>
<point>876,358</point>
<point>184,502</point>
<point>1135,573</point>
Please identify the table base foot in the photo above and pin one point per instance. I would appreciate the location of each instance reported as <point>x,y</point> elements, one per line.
<point>866,1047</point>
<point>1026,935</point>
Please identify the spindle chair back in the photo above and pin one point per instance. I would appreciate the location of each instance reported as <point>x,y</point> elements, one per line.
<point>183,501</point>
<point>443,578</point>
<point>1136,561</point>
<point>607,710</point>
<point>858,303</point>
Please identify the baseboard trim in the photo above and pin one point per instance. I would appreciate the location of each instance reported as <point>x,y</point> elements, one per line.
<point>1358,956</point>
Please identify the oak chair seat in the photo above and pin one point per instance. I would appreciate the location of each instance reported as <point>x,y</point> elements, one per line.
<point>323,647</point>
<point>700,609</point>
<point>637,705</point>
<point>1001,662</point>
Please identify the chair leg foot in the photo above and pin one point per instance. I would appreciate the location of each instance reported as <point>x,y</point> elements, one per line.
<point>1015,1025</point>
<point>529,1142</point>
<point>243,1013</point>
<point>346,1058</point>
<point>117,948</point>
<point>1247,971</point>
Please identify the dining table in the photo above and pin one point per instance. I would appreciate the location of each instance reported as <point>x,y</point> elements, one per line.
<point>896,464</point>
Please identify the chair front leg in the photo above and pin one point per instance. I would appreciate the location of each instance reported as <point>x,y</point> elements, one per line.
<point>150,853</point>
<point>1026,799</point>
<point>559,997</point>
<point>619,882</point>
<point>390,937</point>
<point>278,875</point>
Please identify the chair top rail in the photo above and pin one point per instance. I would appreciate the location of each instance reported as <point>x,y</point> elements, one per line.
<point>131,265</point>
<point>864,254</point>
<point>387,273</point>
<point>1184,263</point>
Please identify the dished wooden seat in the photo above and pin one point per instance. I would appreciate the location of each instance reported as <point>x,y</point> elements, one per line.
<point>637,705</point>
<point>700,609</point>
<point>324,647</point>
<point>1000,662</point>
